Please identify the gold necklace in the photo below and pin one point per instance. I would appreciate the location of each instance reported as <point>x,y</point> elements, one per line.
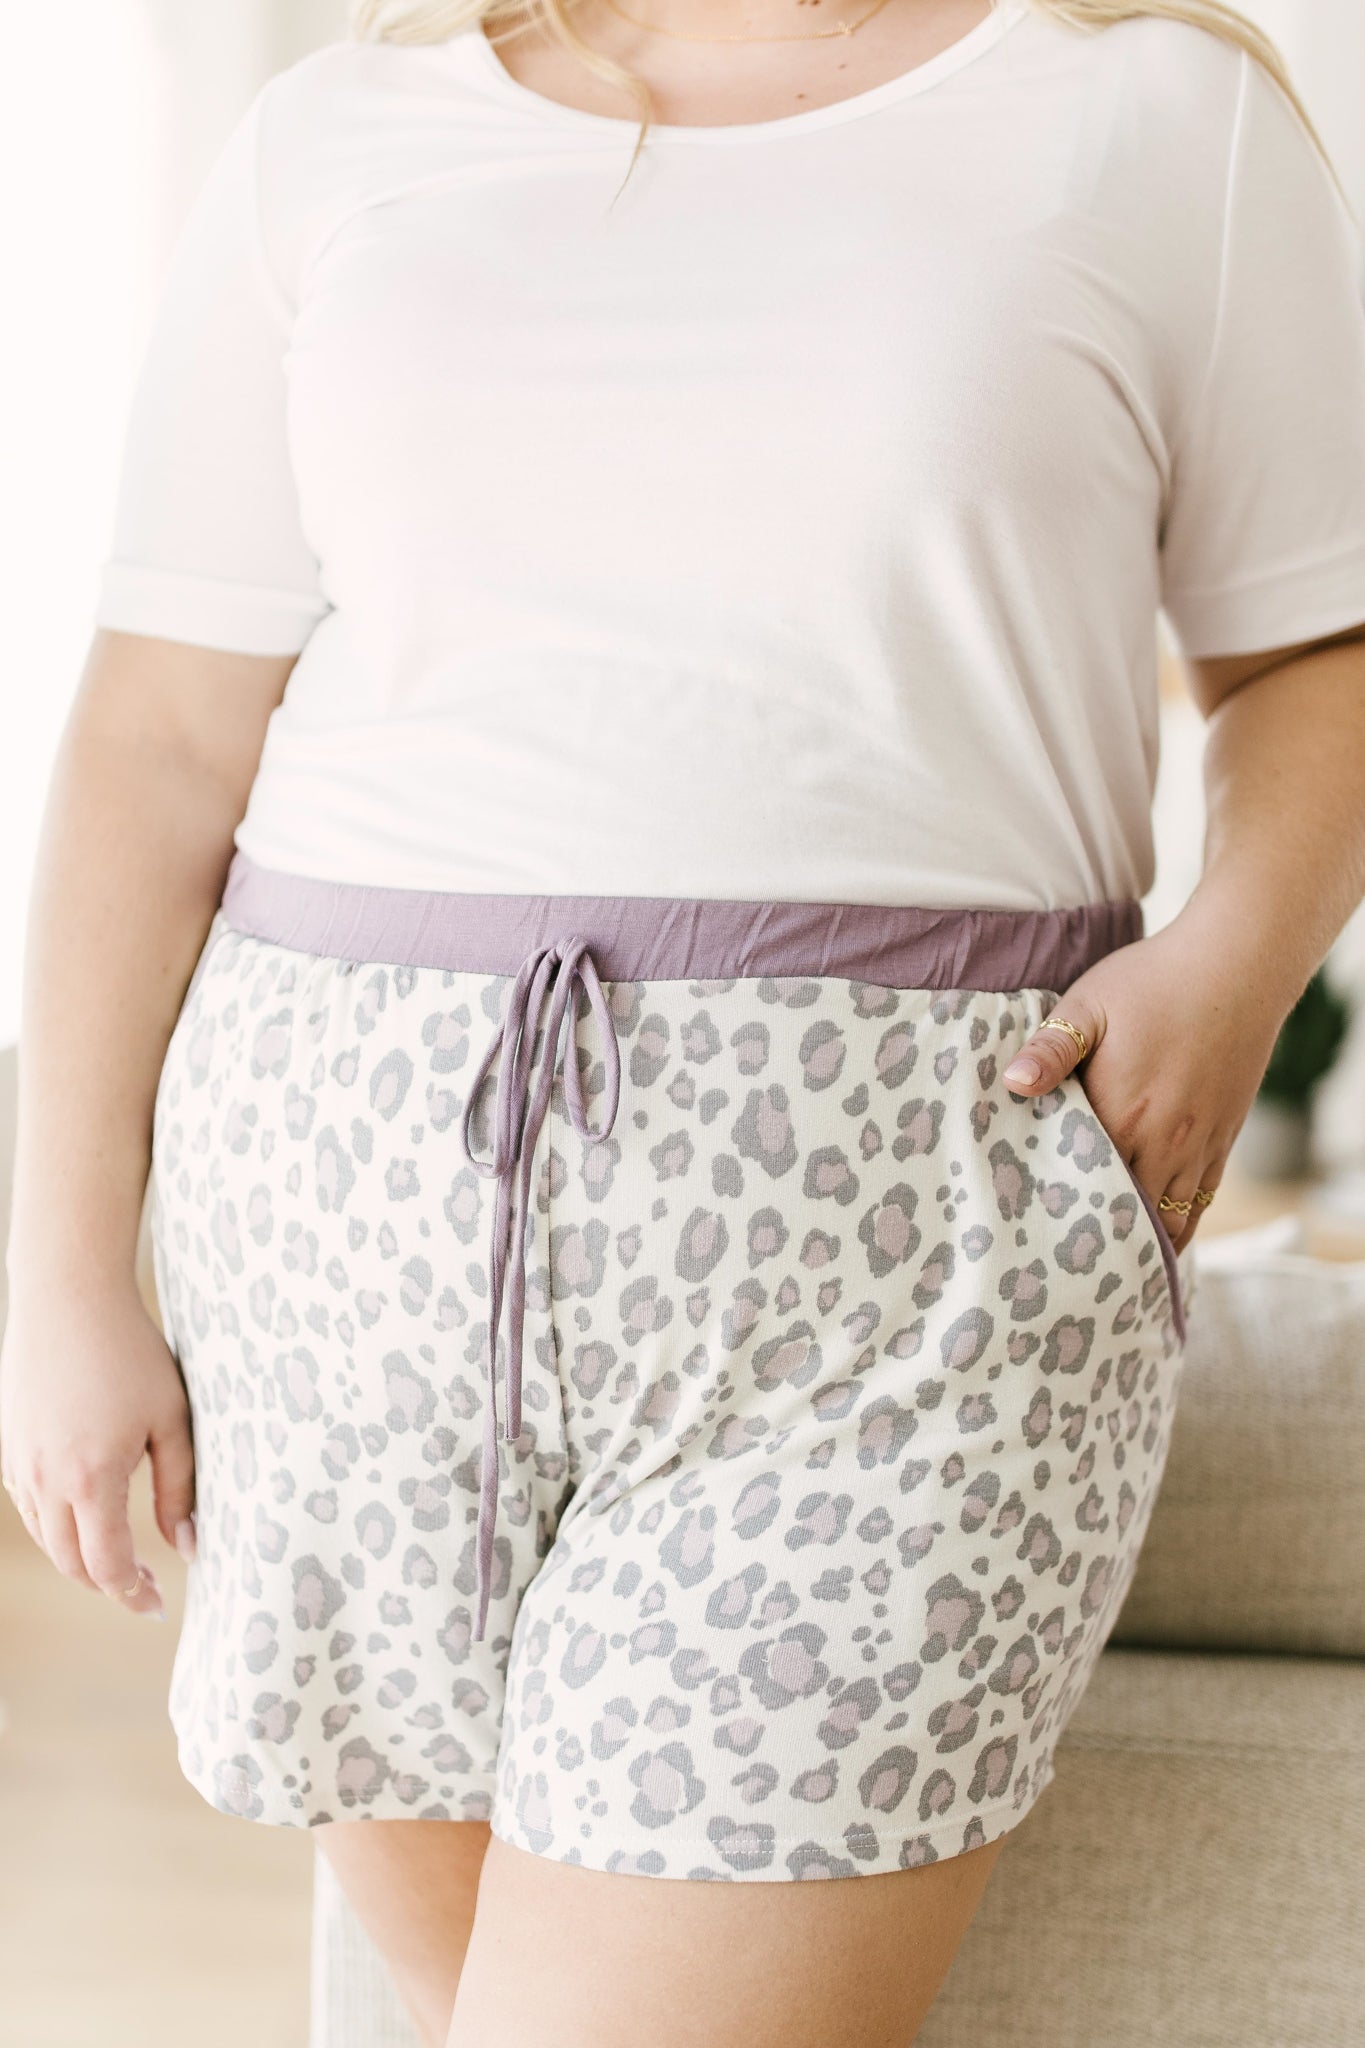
<point>843,28</point>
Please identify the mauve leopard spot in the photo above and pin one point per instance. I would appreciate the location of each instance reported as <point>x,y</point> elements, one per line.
<point>822,1054</point>
<point>1025,1289</point>
<point>234,1787</point>
<point>390,1082</point>
<point>936,1794</point>
<point>272,1718</point>
<point>667,1785</point>
<point>919,1125</point>
<point>271,1045</point>
<point>767,1235</point>
<point>994,1768</point>
<point>888,1231</point>
<point>815,1786</point>
<point>446,1035</point>
<point>296,1375</point>
<point>578,1258</point>
<point>884,1429</point>
<point>259,1643</point>
<point>1068,1344</point>
<point>751,1043</point>
<point>672,1157</point>
<point>781,1672</point>
<point>953,1614</point>
<point>1080,1250</point>
<point>852,1706</point>
<point>701,1246</point>
<point>965,1340</point>
<point>409,1395</point>
<point>793,1359</point>
<point>896,1054</point>
<point>700,1039</point>
<point>885,1782</point>
<point>649,1053</point>
<point>1012,1182</point>
<point>829,1176</point>
<point>318,1597</point>
<point>375,1528</point>
<point>763,1130</point>
<point>361,1772</point>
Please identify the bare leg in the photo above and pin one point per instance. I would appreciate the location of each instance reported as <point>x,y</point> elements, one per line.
<point>851,1962</point>
<point>412,1885</point>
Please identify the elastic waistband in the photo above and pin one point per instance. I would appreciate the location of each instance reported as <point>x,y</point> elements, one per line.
<point>669,938</point>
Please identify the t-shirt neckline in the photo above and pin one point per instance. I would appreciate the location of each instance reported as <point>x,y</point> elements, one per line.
<point>907,84</point>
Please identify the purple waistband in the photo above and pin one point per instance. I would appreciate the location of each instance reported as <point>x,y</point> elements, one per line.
<point>669,938</point>
<point>554,945</point>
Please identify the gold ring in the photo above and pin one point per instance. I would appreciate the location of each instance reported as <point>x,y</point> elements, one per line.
<point>136,1586</point>
<point>1204,1196</point>
<point>1060,1024</point>
<point>1180,1208</point>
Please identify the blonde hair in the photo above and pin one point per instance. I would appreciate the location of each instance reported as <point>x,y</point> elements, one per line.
<point>435,21</point>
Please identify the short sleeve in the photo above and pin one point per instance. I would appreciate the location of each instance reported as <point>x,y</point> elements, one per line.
<point>1263,534</point>
<point>207,544</point>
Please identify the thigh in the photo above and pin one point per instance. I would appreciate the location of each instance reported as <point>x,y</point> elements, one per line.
<point>843,1963</point>
<point>413,1887</point>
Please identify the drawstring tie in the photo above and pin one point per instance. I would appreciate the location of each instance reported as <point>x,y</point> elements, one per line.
<point>516,1127</point>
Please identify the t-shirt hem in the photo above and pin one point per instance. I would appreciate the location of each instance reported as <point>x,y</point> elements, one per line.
<point>1277,610</point>
<point>232,618</point>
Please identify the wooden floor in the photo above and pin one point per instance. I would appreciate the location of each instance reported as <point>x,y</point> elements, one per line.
<point>130,1911</point>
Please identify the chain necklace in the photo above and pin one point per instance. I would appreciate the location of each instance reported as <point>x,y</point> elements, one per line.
<point>842,28</point>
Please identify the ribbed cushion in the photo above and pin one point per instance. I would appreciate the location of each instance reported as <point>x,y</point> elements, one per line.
<point>1191,1878</point>
<point>1257,1538</point>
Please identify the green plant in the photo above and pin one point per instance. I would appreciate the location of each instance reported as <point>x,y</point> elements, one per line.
<point>1308,1043</point>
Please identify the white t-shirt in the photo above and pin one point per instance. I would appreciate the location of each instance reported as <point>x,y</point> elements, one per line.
<point>793,527</point>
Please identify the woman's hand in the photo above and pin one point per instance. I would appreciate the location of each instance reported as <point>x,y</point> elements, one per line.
<point>87,1384</point>
<point>1179,1036</point>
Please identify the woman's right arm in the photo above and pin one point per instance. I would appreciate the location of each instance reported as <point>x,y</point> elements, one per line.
<point>152,776</point>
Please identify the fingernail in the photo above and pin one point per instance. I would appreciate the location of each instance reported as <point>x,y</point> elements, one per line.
<point>155,1613</point>
<point>184,1539</point>
<point>1024,1071</point>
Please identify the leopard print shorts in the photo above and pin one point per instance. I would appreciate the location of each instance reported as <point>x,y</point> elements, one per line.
<point>847,1383</point>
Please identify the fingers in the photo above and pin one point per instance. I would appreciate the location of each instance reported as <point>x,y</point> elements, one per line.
<point>172,1456</point>
<point>59,1539</point>
<point>100,1513</point>
<point>87,1535</point>
<point>1045,1058</point>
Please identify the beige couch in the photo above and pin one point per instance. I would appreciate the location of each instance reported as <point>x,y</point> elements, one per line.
<point>1195,1876</point>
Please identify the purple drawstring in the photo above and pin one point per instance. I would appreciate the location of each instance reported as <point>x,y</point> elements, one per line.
<point>514,1141</point>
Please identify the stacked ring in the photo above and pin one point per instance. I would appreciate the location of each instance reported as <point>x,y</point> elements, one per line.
<point>1201,1195</point>
<point>1061,1024</point>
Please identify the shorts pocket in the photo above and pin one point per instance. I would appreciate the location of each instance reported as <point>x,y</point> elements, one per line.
<point>1158,1229</point>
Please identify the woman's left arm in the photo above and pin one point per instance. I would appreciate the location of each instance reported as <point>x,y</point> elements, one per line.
<point>1180,1026</point>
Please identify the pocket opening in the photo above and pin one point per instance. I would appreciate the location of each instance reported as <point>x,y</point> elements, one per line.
<point>1163,1240</point>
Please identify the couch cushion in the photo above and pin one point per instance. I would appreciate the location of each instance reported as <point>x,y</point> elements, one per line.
<point>1192,1874</point>
<point>1257,1538</point>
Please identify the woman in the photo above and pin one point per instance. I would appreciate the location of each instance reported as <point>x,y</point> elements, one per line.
<point>672,1157</point>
